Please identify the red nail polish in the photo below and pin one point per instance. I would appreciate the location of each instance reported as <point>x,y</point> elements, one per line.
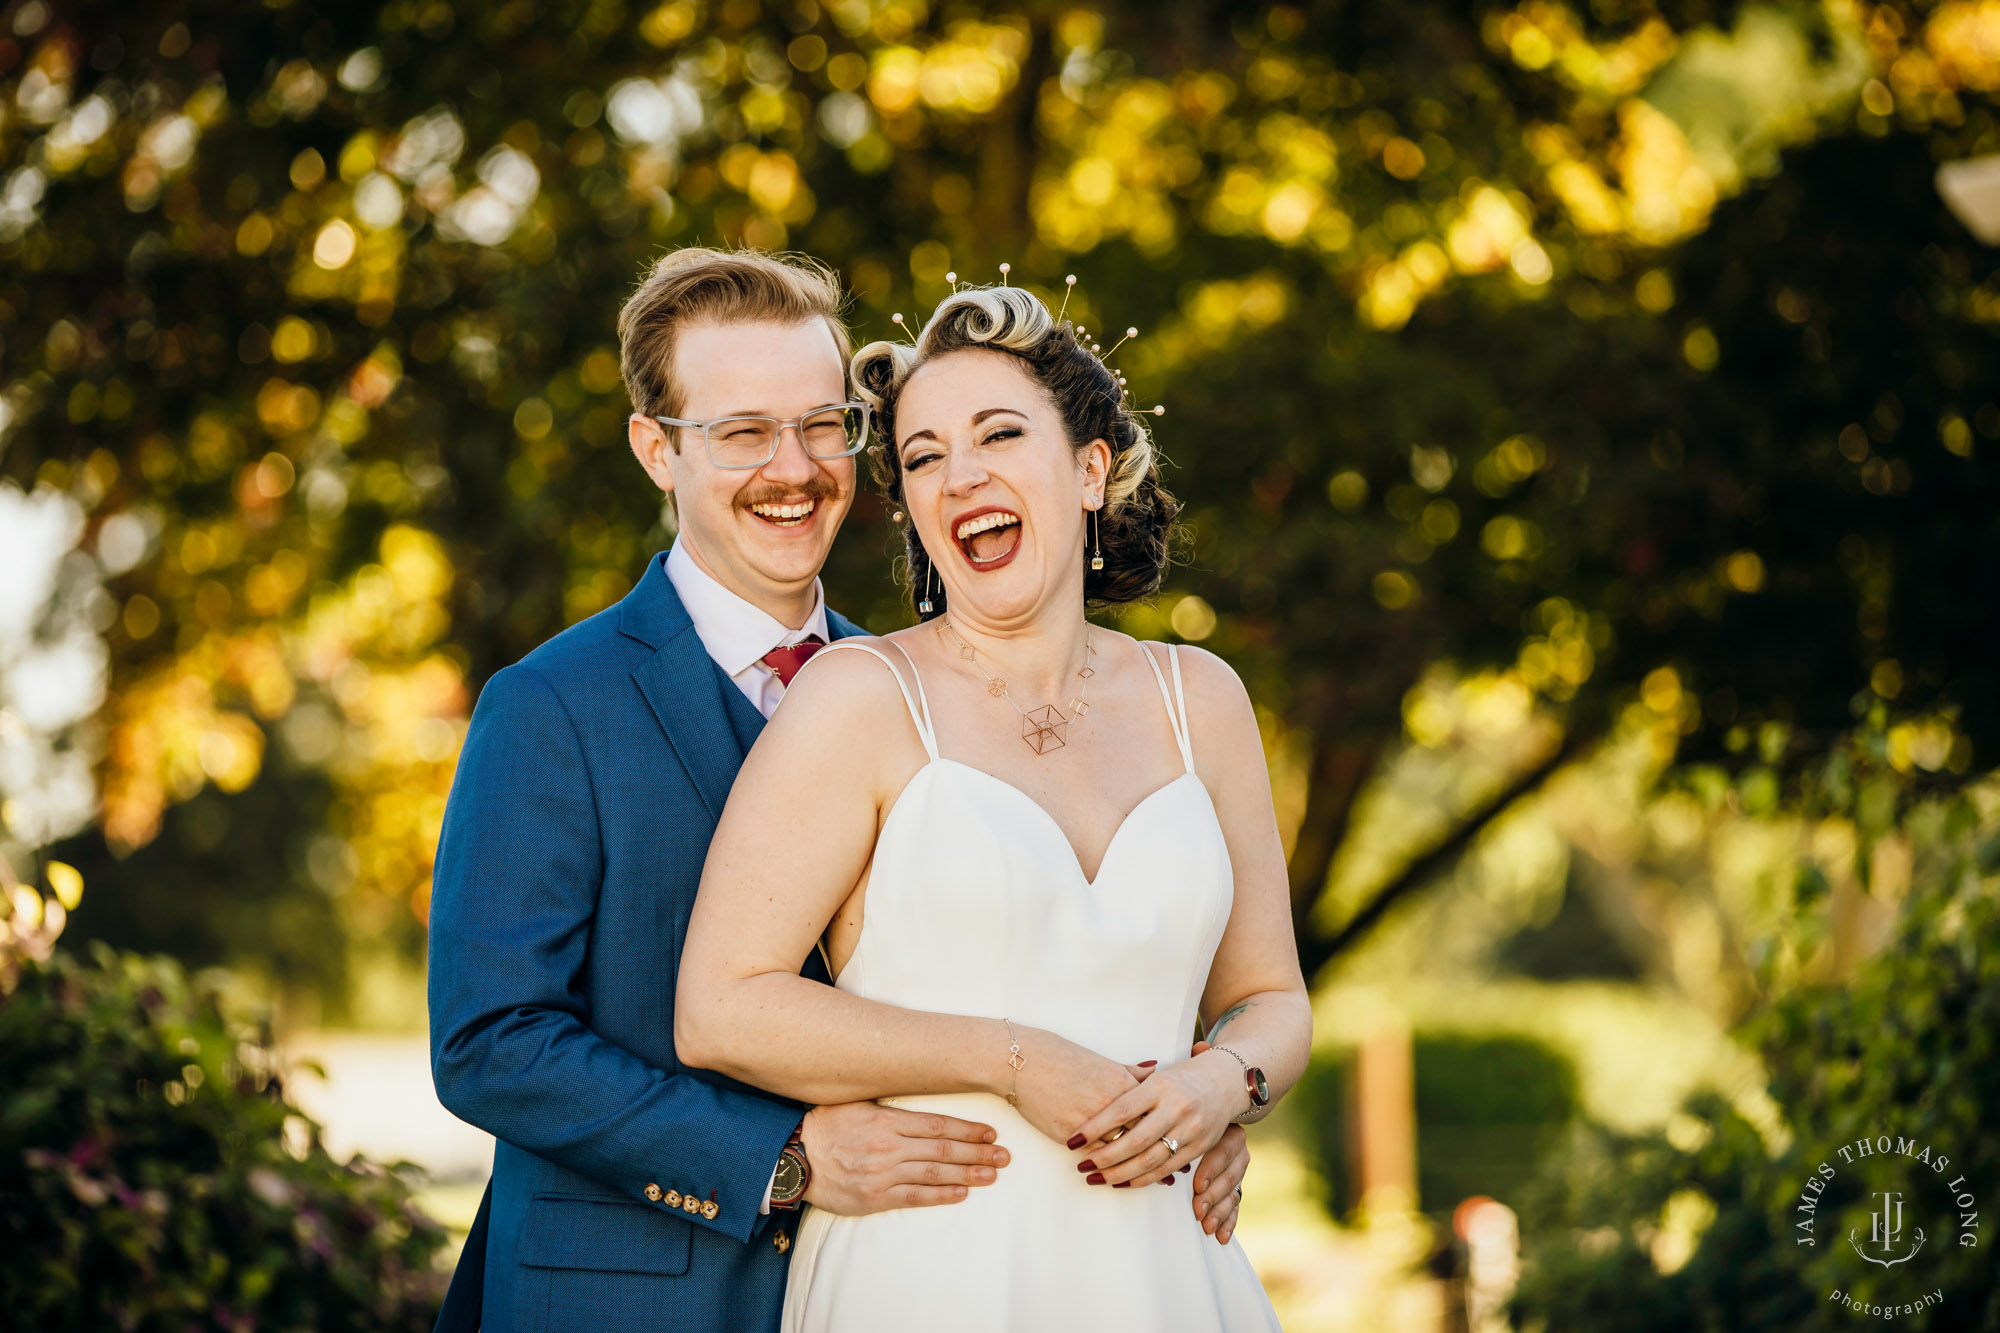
<point>1147,1064</point>
<point>1168,1181</point>
<point>1094,1178</point>
<point>1189,1167</point>
<point>1086,1166</point>
<point>1122,1185</point>
<point>1077,1141</point>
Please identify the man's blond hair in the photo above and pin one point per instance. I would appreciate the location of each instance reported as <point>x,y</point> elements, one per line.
<point>698,285</point>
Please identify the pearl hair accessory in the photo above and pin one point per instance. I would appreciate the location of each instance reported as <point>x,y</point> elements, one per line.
<point>1082,334</point>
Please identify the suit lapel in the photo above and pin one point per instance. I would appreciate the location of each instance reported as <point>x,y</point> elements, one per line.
<point>709,723</point>
<point>688,694</point>
<point>684,687</point>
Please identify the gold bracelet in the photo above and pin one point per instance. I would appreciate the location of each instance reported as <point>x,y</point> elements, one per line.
<point>1015,1061</point>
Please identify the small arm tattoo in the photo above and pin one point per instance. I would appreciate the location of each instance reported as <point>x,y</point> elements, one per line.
<point>1228,1016</point>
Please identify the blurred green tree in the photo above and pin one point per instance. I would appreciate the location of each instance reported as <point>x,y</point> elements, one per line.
<point>1700,1225</point>
<point>1625,351</point>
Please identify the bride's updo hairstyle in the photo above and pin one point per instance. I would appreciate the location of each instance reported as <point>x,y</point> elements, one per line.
<point>1135,525</point>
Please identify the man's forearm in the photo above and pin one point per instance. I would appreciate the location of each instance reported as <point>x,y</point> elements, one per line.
<point>542,1081</point>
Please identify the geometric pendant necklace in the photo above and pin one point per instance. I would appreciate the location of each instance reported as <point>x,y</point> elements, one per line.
<point>1041,728</point>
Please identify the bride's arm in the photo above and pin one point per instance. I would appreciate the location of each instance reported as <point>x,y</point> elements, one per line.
<point>1256,1005</point>
<point>1256,1008</point>
<point>792,844</point>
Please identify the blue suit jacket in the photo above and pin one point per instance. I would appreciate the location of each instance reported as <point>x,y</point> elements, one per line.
<point>592,778</point>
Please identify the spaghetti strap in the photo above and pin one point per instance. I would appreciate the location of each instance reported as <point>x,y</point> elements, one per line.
<point>1180,706</point>
<point>920,717</point>
<point>1176,704</point>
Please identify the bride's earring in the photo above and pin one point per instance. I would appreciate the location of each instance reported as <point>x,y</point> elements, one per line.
<point>930,571</point>
<point>1096,550</point>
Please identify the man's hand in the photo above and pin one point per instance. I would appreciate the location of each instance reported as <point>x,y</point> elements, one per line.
<point>868,1158</point>
<point>1216,1177</point>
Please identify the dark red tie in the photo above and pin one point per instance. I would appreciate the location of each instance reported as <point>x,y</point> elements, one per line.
<point>785,662</point>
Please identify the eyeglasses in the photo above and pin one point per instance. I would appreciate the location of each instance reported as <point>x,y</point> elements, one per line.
<point>742,444</point>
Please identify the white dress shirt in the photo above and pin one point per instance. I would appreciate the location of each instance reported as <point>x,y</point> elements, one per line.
<point>738,634</point>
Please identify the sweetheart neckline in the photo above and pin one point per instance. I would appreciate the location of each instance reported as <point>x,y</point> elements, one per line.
<point>1090,881</point>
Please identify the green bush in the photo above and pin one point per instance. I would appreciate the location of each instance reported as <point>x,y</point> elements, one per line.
<point>1908,1046</point>
<point>1319,1106</point>
<point>1489,1107</point>
<point>152,1177</point>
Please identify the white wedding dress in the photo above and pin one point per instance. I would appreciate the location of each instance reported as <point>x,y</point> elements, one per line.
<point>977,905</point>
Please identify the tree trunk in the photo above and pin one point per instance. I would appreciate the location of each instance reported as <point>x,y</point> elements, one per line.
<point>1318,948</point>
<point>1333,780</point>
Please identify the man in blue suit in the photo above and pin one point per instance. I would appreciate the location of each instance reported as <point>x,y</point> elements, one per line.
<point>629,1192</point>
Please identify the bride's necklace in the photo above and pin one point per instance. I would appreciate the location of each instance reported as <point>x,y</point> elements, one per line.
<point>1042,728</point>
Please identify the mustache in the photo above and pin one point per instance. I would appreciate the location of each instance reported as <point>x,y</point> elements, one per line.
<point>817,489</point>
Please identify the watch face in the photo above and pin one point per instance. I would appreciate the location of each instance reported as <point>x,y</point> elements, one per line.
<point>1260,1091</point>
<point>790,1181</point>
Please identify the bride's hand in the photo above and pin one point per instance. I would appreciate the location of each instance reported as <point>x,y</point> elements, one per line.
<point>1191,1103</point>
<point>1063,1084</point>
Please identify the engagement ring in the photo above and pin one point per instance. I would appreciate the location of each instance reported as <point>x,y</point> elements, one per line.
<point>1173,1146</point>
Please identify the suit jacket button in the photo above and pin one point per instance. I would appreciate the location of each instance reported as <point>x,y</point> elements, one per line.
<point>653,1193</point>
<point>690,1204</point>
<point>710,1209</point>
<point>781,1242</point>
<point>673,1198</point>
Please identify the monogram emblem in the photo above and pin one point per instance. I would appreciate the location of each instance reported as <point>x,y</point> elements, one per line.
<point>1885,1232</point>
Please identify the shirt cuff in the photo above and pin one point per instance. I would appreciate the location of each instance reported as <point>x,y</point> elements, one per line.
<point>764,1208</point>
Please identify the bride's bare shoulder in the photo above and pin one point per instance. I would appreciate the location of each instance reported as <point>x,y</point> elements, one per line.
<point>849,683</point>
<point>1217,702</point>
<point>1204,676</point>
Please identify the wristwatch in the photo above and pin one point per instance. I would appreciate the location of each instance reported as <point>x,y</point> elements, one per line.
<point>794,1175</point>
<point>1253,1081</point>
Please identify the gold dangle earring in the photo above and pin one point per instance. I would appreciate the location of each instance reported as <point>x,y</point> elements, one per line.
<point>1096,549</point>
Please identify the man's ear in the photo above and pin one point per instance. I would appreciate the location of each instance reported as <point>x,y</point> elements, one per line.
<point>653,449</point>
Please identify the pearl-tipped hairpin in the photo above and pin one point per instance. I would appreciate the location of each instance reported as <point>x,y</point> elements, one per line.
<point>1077,331</point>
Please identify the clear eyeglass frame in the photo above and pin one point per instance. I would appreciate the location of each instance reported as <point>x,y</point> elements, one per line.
<point>856,441</point>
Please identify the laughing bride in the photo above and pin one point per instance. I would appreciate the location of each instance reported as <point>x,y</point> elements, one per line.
<point>1036,852</point>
